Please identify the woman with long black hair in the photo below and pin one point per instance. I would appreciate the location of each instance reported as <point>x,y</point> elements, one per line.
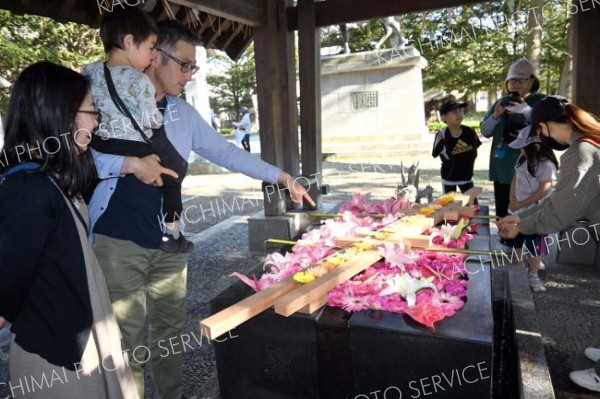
<point>65,339</point>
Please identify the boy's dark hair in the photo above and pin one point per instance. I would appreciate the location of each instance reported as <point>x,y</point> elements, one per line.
<point>126,21</point>
<point>171,32</point>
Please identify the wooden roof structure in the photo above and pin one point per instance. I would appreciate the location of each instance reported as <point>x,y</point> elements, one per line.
<point>231,25</point>
<point>213,21</point>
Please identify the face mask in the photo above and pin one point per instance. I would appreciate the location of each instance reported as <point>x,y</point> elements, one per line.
<point>550,142</point>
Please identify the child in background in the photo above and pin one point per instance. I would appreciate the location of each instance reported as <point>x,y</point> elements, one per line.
<point>456,146</point>
<point>534,173</point>
<point>130,112</point>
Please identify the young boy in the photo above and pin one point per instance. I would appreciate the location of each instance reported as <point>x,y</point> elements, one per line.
<point>457,146</point>
<point>125,97</point>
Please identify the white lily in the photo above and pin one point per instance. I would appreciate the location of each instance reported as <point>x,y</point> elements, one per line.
<point>407,287</point>
<point>446,231</point>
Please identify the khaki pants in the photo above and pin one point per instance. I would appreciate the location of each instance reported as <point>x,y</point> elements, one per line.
<point>134,273</point>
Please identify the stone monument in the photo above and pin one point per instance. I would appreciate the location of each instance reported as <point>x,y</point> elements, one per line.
<point>372,103</point>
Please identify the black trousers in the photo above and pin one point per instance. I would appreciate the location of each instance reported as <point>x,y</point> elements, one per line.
<point>502,197</point>
<point>452,187</point>
<point>246,142</point>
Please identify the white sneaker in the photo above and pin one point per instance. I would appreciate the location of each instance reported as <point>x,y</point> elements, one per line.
<point>593,354</point>
<point>587,379</point>
<point>536,284</point>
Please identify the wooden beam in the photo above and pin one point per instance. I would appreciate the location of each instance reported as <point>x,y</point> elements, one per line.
<point>66,7</point>
<point>222,26</point>
<point>309,44</point>
<point>249,12</point>
<point>315,290</point>
<point>225,41</point>
<point>586,54</point>
<point>335,12</point>
<point>275,76</point>
<point>231,317</point>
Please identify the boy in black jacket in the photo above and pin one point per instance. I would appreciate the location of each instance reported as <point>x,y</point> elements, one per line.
<point>457,147</point>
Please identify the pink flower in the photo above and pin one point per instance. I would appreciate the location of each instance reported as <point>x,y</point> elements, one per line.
<point>426,314</point>
<point>395,256</point>
<point>444,299</point>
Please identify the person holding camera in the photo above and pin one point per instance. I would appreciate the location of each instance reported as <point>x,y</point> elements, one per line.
<point>503,122</point>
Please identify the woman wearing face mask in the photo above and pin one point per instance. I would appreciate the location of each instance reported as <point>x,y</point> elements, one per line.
<point>503,122</point>
<point>564,126</point>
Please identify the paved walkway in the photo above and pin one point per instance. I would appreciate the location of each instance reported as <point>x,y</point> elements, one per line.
<point>569,313</point>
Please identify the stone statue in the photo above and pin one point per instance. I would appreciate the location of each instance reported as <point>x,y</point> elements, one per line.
<point>409,188</point>
<point>392,30</point>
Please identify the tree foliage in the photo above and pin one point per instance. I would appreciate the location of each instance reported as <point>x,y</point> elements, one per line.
<point>26,39</point>
<point>469,48</point>
<point>232,82</point>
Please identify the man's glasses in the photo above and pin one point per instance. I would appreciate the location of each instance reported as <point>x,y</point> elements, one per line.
<point>96,114</point>
<point>520,81</point>
<point>185,66</point>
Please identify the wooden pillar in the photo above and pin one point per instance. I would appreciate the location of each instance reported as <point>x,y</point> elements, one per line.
<point>310,95</point>
<point>276,81</point>
<point>586,57</point>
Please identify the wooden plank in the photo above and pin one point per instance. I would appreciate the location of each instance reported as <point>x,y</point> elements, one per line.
<point>473,194</point>
<point>335,12</point>
<point>314,306</point>
<point>313,291</point>
<point>244,310</point>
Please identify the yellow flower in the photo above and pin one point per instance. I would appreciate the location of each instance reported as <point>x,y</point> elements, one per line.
<point>445,200</point>
<point>304,277</point>
<point>363,246</point>
<point>426,211</point>
<point>317,271</point>
<point>337,260</point>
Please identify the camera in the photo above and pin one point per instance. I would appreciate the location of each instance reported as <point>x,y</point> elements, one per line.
<point>513,96</point>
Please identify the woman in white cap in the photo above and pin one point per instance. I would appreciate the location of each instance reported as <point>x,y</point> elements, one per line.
<point>535,171</point>
<point>564,126</point>
<point>503,122</point>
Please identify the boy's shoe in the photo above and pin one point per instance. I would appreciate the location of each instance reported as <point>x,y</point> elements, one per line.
<point>593,354</point>
<point>586,378</point>
<point>542,266</point>
<point>536,284</point>
<point>172,245</point>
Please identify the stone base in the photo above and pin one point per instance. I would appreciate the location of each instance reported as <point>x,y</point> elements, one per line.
<point>283,227</point>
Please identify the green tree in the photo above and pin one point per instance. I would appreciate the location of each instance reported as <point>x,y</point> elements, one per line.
<point>26,39</point>
<point>469,48</point>
<point>232,82</point>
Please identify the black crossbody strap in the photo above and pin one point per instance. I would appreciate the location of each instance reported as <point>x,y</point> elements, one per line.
<point>120,104</point>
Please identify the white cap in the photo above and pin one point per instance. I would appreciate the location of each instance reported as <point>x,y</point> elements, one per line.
<point>521,69</point>
<point>523,139</point>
